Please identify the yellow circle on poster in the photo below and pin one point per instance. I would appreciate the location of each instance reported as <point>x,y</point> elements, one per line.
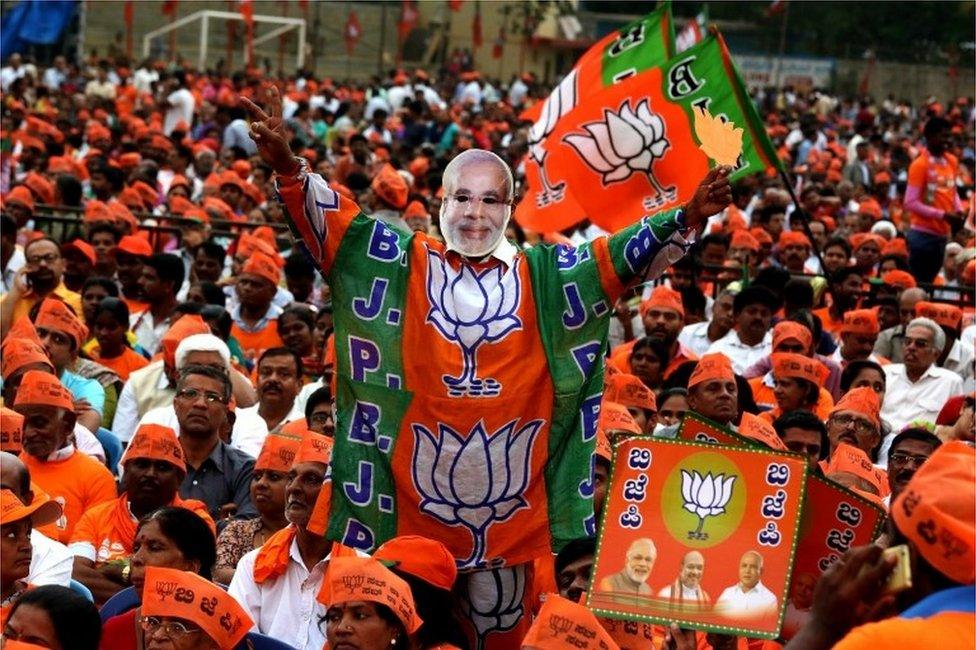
<point>703,500</point>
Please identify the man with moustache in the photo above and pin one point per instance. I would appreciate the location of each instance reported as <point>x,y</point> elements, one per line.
<point>632,579</point>
<point>751,338</point>
<point>909,451</point>
<point>279,380</point>
<point>686,591</point>
<point>42,275</point>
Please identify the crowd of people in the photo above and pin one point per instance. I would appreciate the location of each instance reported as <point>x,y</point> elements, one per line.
<point>193,267</point>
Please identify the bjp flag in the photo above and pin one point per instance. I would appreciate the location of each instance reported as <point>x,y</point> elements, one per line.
<point>642,138</point>
<point>639,46</point>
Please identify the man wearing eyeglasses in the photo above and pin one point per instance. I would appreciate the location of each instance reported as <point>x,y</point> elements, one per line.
<point>917,389</point>
<point>909,451</point>
<point>216,473</point>
<point>41,276</point>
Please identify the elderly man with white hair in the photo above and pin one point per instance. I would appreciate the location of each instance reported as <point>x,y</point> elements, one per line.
<point>469,372</point>
<point>917,389</point>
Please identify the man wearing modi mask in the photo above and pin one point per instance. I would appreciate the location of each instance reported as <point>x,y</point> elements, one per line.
<point>469,373</point>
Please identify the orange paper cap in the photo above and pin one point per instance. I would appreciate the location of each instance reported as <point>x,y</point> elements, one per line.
<point>186,325</point>
<point>11,430</point>
<point>742,239</point>
<point>277,453</point>
<point>900,279</point>
<point>155,442</point>
<point>663,298</point>
<point>616,417</point>
<point>421,557</point>
<point>628,390</point>
<point>797,366</point>
<point>603,447</point>
<point>861,321</point>
<point>21,195</point>
<point>936,511</point>
<point>758,429</point>
<point>946,315</point>
<point>861,238</point>
<point>563,624</point>
<point>40,388</point>
<point>83,247</point>
<point>711,366</point>
<point>23,328</point>
<point>363,578</point>
<point>786,330</point>
<point>897,247</point>
<point>188,596</point>
<point>863,401</point>
<point>297,429</point>
<point>390,186</point>
<point>315,448</point>
<point>19,352</point>
<point>135,245</point>
<point>793,238</point>
<point>852,460</point>
<point>415,209</point>
<point>56,315</point>
<point>42,509</point>
<point>263,266</point>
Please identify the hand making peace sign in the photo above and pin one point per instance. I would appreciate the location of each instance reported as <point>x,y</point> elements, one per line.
<point>269,135</point>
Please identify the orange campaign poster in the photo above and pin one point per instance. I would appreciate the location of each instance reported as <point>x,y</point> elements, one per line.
<point>698,428</point>
<point>698,534</point>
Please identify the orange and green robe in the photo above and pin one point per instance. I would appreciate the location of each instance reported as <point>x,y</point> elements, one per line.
<point>467,393</point>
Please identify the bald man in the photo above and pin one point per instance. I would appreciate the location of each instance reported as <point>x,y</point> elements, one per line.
<point>51,562</point>
<point>632,579</point>
<point>749,597</point>
<point>686,591</point>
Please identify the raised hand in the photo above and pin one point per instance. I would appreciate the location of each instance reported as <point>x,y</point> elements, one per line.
<point>267,131</point>
<point>713,195</point>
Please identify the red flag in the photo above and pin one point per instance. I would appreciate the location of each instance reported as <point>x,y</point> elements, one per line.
<point>454,5</point>
<point>476,36</point>
<point>247,11</point>
<point>352,32</point>
<point>128,15</point>
<point>775,7</point>
<point>169,7</point>
<point>499,44</point>
<point>408,19</point>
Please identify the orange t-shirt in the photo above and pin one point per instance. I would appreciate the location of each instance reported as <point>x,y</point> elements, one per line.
<point>254,343</point>
<point>135,306</point>
<point>949,629</point>
<point>124,364</point>
<point>109,527</point>
<point>936,178</point>
<point>78,483</point>
<point>829,324</point>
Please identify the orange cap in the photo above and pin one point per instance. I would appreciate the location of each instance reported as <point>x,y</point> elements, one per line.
<point>603,447</point>
<point>616,417</point>
<point>421,557</point>
<point>296,428</point>
<point>742,239</point>
<point>262,265</point>
<point>20,352</point>
<point>40,187</point>
<point>861,321</point>
<point>277,453</point>
<point>21,195</point>
<point>415,209</point>
<point>797,366</point>
<point>42,509</point>
<point>363,578</point>
<point>628,390</point>
<point>761,236</point>
<point>129,160</point>
<point>862,400</point>
<point>147,192</point>
<point>563,624</point>
<point>390,186</point>
<point>84,247</point>
<point>155,442</point>
<point>180,205</point>
<point>23,328</point>
<point>196,214</point>
<point>897,246</point>
<point>936,511</point>
<point>861,238</point>
<point>900,279</point>
<point>267,235</point>
<point>135,245</point>
<point>852,460</point>
<point>793,238</point>
<point>711,366</point>
<point>132,199</point>
<point>11,430</point>
<point>186,595</point>
<point>40,388</point>
<point>663,298</point>
<point>941,313</point>
<point>56,315</point>
<point>756,428</point>
<point>787,329</point>
<point>96,211</point>
<point>186,325</point>
<point>315,448</point>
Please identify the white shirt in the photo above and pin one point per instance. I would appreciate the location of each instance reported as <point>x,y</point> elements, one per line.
<point>127,411</point>
<point>695,337</point>
<point>687,594</point>
<point>250,429</point>
<point>87,443</point>
<point>51,562</point>
<point>905,401</point>
<point>285,607</point>
<point>960,360</point>
<point>180,109</point>
<point>741,355</point>
<point>8,75</point>
<point>757,600</point>
<point>304,394</point>
<point>149,334</point>
<point>397,95</point>
<point>144,78</point>
<point>375,102</point>
<point>14,264</point>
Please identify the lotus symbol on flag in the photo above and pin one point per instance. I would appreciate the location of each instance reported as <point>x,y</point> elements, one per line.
<point>492,599</point>
<point>470,308</point>
<point>705,497</point>
<point>560,102</point>
<point>624,143</point>
<point>473,480</point>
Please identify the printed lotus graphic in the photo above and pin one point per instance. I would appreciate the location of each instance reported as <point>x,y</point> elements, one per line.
<point>560,101</point>
<point>470,308</point>
<point>473,480</point>
<point>624,143</point>
<point>493,599</point>
<point>705,497</point>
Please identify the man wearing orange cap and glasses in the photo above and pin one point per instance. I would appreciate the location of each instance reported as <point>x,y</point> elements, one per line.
<point>16,523</point>
<point>934,516</point>
<point>477,303</point>
<point>153,469</point>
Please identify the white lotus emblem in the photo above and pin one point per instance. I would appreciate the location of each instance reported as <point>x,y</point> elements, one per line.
<point>624,143</point>
<point>470,308</point>
<point>705,497</point>
<point>473,480</point>
<point>560,101</point>
<point>493,600</point>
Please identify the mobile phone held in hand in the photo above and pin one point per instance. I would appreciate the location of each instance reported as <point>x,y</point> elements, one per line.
<point>901,576</point>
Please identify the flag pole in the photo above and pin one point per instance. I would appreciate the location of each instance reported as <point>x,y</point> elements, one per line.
<point>804,217</point>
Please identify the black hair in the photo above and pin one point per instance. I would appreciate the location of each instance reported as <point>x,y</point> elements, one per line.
<point>854,368</point>
<point>574,550</point>
<point>282,351</point>
<point>104,226</point>
<point>300,311</point>
<point>108,284</point>
<point>678,378</point>
<point>40,239</point>
<point>753,295</point>
<point>184,308</point>
<point>810,321</point>
<point>935,126</point>
<point>298,266</point>
<point>841,274</point>
<point>798,294</point>
<point>213,250</point>
<point>217,374</point>
<point>773,278</point>
<point>117,308</point>
<point>217,316</point>
<point>189,532</point>
<point>803,419</point>
<point>69,189</point>
<point>900,262</point>
<point>693,300</point>
<point>715,238</point>
<point>319,396</point>
<point>8,227</point>
<point>658,347</point>
<point>746,402</point>
<point>74,618</point>
<point>841,242</point>
<point>170,269</point>
<point>915,433</point>
<point>212,293</point>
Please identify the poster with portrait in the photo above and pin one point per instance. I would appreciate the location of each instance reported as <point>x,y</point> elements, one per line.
<point>699,534</point>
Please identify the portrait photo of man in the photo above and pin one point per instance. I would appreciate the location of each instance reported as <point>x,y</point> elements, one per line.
<point>749,597</point>
<point>632,579</point>
<point>686,591</point>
